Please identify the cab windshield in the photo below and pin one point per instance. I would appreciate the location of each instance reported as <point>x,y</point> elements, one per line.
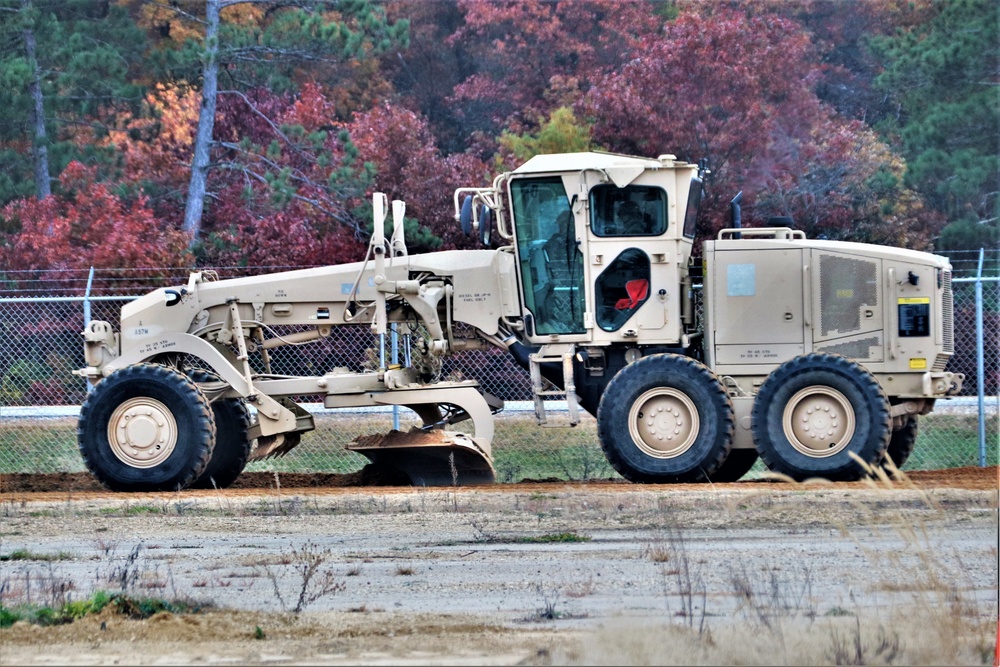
<point>551,263</point>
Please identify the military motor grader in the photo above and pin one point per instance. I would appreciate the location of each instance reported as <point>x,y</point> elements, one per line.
<point>809,354</point>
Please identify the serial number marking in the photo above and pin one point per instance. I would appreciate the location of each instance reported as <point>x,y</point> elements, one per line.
<point>157,346</point>
<point>758,354</point>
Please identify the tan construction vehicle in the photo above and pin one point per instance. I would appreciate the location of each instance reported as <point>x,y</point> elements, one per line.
<point>806,353</point>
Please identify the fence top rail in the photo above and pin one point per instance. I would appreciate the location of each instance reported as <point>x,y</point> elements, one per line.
<point>984,279</point>
<point>63,299</point>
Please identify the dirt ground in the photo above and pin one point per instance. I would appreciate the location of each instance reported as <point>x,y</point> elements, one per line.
<point>972,478</point>
<point>603,572</point>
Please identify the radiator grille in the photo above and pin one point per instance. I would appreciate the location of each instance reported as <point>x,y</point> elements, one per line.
<point>947,316</point>
<point>940,363</point>
<point>846,284</point>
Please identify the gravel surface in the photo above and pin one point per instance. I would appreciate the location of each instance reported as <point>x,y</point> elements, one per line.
<point>528,573</point>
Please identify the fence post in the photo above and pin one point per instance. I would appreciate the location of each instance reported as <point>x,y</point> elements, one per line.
<point>86,316</point>
<point>86,299</point>
<point>395,360</point>
<point>980,362</point>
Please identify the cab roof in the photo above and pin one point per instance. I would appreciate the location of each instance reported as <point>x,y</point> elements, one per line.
<point>594,160</point>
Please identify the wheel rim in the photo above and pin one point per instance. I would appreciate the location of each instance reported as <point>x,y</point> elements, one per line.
<point>819,421</point>
<point>142,432</point>
<point>664,422</point>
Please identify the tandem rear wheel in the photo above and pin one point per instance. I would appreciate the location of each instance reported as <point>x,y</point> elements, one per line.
<point>665,418</point>
<point>815,413</point>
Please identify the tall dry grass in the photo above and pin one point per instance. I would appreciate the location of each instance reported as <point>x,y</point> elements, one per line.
<point>922,609</point>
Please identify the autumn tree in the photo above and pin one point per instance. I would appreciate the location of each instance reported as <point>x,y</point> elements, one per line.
<point>255,43</point>
<point>425,74</point>
<point>739,88</point>
<point>281,163</point>
<point>88,225</point>
<point>532,56</point>
<point>733,88</point>
<point>848,185</point>
<point>408,166</point>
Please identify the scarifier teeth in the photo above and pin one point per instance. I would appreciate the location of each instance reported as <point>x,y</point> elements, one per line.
<point>274,446</point>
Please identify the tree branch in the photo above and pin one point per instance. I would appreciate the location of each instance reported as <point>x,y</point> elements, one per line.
<point>178,11</point>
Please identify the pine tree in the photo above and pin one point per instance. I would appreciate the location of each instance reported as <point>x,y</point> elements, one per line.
<point>945,75</point>
<point>66,68</point>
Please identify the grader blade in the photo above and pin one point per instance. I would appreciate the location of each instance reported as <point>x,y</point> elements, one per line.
<point>429,457</point>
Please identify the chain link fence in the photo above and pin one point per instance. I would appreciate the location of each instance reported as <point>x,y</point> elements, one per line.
<point>42,315</point>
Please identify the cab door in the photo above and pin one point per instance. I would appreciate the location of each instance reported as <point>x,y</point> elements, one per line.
<point>550,261</point>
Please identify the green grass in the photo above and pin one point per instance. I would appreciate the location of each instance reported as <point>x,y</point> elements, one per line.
<point>24,554</point>
<point>132,510</point>
<point>952,441</point>
<point>553,538</point>
<point>125,605</point>
<point>521,449</point>
<point>43,445</point>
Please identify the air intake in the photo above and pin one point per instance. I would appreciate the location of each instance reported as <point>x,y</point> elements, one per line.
<point>846,285</point>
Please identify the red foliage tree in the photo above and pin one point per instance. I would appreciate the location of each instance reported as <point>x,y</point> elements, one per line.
<point>409,167</point>
<point>738,87</point>
<point>87,226</point>
<point>533,56</point>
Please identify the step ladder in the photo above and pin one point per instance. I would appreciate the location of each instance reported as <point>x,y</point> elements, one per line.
<point>561,354</point>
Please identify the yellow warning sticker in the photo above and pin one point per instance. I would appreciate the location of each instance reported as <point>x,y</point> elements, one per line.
<point>907,300</point>
<point>845,294</point>
<point>918,364</point>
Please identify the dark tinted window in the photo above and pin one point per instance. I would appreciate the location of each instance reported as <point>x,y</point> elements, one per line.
<point>691,213</point>
<point>636,210</point>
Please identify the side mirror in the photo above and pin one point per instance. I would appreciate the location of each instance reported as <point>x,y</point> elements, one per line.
<point>485,225</point>
<point>466,215</point>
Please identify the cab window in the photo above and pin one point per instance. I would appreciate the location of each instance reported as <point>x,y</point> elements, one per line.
<point>621,289</point>
<point>551,264</point>
<point>636,210</point>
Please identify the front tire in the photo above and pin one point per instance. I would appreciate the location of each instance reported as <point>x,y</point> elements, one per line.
<point>232,446</point>
<point>814,411</point>
<point>146,427</point>
<point>665,418</point>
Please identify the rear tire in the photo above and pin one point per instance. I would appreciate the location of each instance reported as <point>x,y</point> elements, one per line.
<point>665,418</point>
<point>902,442</point>
<point>146,427</point>
<point>737,464</point>
<point>812,412</point>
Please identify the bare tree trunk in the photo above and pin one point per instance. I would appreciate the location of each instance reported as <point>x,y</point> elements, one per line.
<point>39,141</point>
<point>206,123</point>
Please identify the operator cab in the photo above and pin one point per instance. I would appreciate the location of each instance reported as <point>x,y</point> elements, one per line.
<point>600,241</point>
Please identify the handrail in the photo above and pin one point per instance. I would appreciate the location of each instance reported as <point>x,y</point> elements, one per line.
<point>785,233</point>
